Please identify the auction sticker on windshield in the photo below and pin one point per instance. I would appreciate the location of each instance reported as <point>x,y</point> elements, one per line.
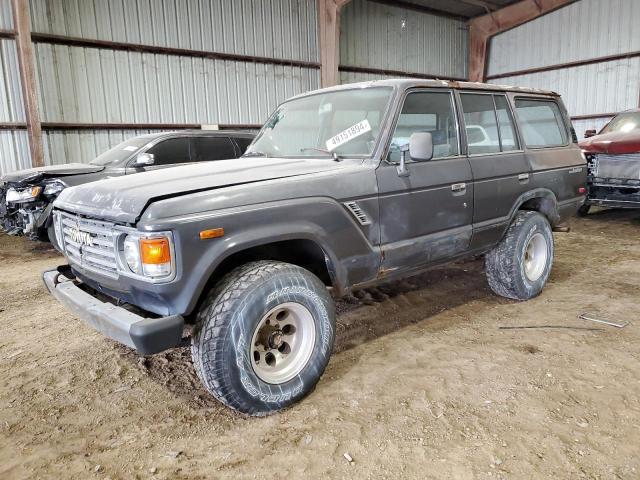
<point>348,134</point>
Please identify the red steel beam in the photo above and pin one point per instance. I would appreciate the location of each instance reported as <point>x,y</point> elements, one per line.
<point>482,28</point>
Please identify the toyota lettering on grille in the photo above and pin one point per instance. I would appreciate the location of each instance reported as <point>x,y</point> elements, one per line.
<point>83,238</point>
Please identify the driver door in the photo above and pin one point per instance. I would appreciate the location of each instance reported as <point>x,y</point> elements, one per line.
<point>426,216</point>
<point>166,153</point>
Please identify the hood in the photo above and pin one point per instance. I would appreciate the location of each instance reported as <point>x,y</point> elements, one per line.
<point>613,143</point>
<point>32,175</point>
<point>123,199</point>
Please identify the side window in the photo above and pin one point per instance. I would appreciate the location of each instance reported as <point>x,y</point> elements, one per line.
<point>480,123</point>
<point>541,123</point>
<point>508,138</point>
<point>243,143</point>
<point>212,148</point>
<point>427,112</point>
<point>173,150</point>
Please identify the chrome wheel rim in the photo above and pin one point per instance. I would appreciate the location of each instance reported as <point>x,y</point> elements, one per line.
<point>282,343</point>
<point>535,257</point>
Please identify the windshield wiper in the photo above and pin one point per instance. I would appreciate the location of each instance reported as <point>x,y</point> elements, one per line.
<point>255,154</point>
<point>334,155</point>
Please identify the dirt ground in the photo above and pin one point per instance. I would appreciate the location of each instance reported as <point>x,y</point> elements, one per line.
<point>422,384</point>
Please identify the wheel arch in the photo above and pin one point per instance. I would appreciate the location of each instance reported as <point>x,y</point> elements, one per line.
<point>541,200</point>
<point>300,250</point>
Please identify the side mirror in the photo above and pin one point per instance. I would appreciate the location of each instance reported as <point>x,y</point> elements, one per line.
<point>590,133</point>
<point>421,146</point>
<point>144,159</point>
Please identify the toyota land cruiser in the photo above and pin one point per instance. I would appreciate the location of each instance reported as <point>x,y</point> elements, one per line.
<point>343,188</point>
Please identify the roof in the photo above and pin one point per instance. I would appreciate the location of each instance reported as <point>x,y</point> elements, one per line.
<point>202,133</point>
<point>404,83</point>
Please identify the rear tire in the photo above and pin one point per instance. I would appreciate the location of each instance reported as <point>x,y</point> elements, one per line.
<point>264,336</point>
<point>519,266</point>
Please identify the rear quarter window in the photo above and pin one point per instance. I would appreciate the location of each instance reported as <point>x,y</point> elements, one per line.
<point>541,123</point>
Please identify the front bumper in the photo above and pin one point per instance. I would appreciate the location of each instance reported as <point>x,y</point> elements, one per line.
<point>613,203</point>
<point>146,335</point>
<point>614,196</point>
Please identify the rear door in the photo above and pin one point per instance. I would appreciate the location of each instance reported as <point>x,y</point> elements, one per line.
<point>555,160</point>
<point>207,148</point>
<point>426,216</point>
<point>501,172</point>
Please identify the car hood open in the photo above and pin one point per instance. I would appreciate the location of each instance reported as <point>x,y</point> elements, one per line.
<point>613,143</point>
<point>123,199</point>
<point>32,175</point>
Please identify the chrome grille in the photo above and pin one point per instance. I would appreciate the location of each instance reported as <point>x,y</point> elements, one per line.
<point>100,254</point>
<point>623,166</point>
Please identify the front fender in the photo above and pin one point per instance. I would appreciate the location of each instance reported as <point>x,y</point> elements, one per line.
<point>322,220</point>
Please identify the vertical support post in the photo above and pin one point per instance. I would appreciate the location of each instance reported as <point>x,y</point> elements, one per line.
<point>478,41</point>
<point>329,35</point>
<point>22,26</point>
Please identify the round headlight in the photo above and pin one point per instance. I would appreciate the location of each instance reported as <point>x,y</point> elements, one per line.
<point>132,254</point>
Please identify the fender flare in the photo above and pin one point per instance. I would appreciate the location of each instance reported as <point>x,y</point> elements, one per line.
<point>330,259</point>
<point>336,273</point>
<point>548,204</point>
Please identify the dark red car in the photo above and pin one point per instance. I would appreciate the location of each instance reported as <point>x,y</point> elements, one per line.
<point>614,163</point>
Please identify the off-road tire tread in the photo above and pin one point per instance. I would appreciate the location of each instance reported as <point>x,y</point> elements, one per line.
<point>209,335</point>
<point>500,268</point>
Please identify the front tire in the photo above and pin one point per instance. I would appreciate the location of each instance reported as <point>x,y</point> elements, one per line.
<point>519,266</point>
<point>264,336</point>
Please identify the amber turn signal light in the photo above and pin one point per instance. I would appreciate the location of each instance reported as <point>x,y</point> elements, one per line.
<point>154,251</point>
<point>213,233</point>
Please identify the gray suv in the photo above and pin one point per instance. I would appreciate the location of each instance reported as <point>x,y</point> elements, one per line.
<point>342,189</point>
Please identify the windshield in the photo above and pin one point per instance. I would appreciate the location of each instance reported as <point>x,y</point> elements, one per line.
<point>625,122</point>
<point>344,122</point>
<point>121,151</point>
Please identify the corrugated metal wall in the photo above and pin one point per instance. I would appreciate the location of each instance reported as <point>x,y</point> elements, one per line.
<point>6,17</point>
<point>589,89</point>
<point>283,29</point>
<point>91,85</point>
<point>14,149</point>
<point>11,105</point>
<point>380,36</point>
<point>60,145</point>
<point>95,85</point>
<point>578,32</point>
<point>353,77</point>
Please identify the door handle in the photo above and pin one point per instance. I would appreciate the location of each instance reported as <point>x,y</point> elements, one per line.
<point>523,177</point>
<point>458,187</point>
